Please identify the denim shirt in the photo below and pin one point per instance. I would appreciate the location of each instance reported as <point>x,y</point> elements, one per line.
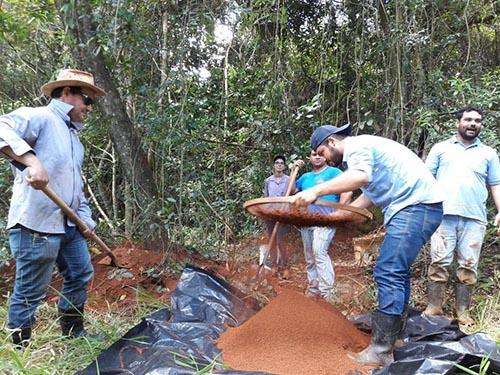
<point>49,133</point>
<point>464,172</point>
<point>397,178</point>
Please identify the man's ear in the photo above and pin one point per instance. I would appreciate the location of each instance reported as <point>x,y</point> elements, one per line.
<point>66,91</point>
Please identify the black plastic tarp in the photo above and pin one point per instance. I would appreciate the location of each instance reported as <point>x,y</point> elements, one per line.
<point>435,345</point>
<point>181,341</point>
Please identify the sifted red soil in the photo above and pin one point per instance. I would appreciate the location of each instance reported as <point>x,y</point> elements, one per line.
<point>301,217</point>
<point>294,335</point>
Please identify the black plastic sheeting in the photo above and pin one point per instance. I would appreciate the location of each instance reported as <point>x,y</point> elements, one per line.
<point>181,341</point>
<point>434,345</point>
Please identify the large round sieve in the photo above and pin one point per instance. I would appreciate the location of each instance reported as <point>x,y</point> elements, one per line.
<point>280,209</point>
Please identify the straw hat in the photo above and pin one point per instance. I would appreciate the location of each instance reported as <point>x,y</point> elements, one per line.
<point>72,77</point>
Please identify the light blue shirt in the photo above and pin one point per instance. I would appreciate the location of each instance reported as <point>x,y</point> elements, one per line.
<point>464,172</point>
<point>397,178</point>
<point>311,179</point>
<point>45,131</point>
<point>274,187</point>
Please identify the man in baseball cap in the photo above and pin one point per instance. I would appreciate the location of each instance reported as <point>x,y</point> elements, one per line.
<point>395,179</point>
<point>44,144</point>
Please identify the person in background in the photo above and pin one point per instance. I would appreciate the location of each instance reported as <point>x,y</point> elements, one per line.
<point>276,186</point>
<point>465,168</point>
<point>395,179</point>
<point>44,146</point>
<point>316,240</point>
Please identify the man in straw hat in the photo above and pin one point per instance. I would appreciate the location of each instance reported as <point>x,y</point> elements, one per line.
<point>395,179</point>
<point>43,144</point>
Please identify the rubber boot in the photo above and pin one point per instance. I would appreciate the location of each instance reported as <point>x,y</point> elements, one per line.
<point>385,330</point>
<point>435,294</point>
<point>401,335</point>
<point>463,294</point>
<point>71,322</point>
<point>21,337</point>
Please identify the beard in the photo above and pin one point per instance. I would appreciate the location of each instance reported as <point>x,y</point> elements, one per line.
<point>334,157</point>
<point>469,136</point>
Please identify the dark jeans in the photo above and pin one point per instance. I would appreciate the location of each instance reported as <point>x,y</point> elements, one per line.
<point>406,233</point>
<point>36,254</point>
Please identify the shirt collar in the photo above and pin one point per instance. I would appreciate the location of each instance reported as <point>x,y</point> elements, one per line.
<point>455,140</point>
<point>274,178</point>
<point>62,109</point>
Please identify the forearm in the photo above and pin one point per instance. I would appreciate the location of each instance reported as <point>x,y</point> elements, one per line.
<point>27,159</point>
<point>495,192</point>
<point>36,175</point>
<point>362,202</point>
<point>347,181</point>
<point>345,198</point>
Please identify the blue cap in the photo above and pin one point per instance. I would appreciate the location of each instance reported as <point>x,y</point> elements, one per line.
<point>323,132</point>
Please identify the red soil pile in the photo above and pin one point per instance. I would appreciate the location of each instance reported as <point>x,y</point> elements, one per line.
<point>294,335</point>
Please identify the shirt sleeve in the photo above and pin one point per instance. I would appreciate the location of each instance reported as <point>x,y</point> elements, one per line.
<point>493,170</point>
<point>432,161</point>
<point>266,188</point>
<point>299,182</point>
<point>361,159</point>
<point>84,212</point>
<point>18,133</point>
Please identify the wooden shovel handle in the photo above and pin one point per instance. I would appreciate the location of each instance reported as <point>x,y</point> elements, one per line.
<point>68,211</point>
<point>290,186</point>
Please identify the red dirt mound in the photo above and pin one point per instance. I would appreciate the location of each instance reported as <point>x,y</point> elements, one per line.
<point>294,335</point>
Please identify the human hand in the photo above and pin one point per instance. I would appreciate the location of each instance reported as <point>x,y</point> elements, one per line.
<point>497,223</point>
<point>303,198</point>
<point>296,164</point>
<point>37,175</point>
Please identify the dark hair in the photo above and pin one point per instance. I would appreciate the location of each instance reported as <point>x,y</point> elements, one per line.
<point>279,157</point>
<point>57,92</point>
<point>468,108</point>
<point>338,137</point>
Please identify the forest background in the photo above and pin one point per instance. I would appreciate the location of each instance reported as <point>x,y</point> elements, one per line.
<point>202,94</point>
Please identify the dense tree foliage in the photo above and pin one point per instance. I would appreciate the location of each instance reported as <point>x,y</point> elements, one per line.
<point>202,94</point>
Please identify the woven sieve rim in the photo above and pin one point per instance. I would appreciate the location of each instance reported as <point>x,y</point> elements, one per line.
<point>257,201</point>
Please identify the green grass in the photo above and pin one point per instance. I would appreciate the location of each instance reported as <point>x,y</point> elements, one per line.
<point>50,353</point>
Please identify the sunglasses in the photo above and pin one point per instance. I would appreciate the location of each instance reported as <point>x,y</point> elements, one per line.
<point>87,100</point>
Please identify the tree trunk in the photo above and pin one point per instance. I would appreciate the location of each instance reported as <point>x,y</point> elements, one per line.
<point>126,140</point>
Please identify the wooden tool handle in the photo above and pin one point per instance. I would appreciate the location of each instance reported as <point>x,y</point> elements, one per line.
<point>68,211</point>
<point>290,186</point>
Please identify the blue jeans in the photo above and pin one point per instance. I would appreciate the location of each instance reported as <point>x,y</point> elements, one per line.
<point>35,255</point>
<point>406,233</point>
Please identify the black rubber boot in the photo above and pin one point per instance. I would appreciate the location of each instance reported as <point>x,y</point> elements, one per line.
<point>385,330</point>
<point>21,337</point>
<point>463,295</point>
<point>435,294</point>
<point>401,335</point>
<point>71,322</point>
